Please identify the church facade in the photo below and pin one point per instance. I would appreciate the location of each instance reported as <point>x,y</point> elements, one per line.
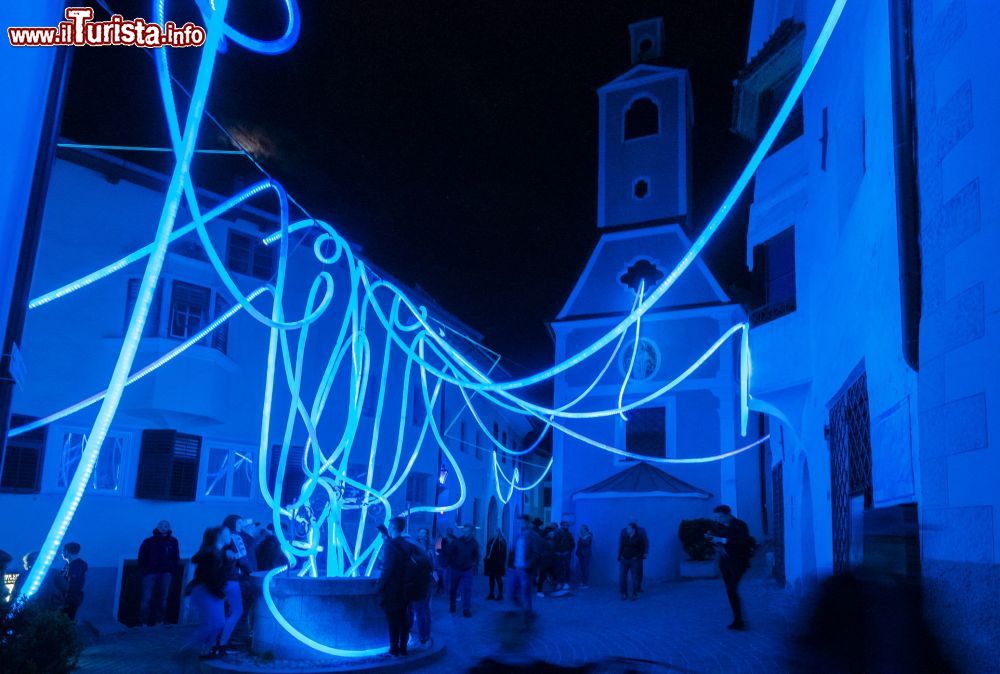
<point>643,206</point>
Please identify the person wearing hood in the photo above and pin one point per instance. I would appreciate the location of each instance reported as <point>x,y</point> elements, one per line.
<point>159,556</point>
<point>74,577</point>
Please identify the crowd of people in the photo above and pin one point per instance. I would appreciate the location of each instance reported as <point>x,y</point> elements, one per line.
<point>411,570</point>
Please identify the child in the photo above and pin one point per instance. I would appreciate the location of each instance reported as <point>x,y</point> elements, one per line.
<point>75,574</point>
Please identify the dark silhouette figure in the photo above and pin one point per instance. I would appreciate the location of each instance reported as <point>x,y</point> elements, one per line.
<point>392,586</point>
<point>74,577</point>
<point>495,565</point>
<point>159,556</point>
<point>737,548</point>
<point>633,546</point>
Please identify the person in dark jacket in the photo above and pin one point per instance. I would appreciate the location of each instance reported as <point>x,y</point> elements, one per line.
<point>522,558</point>
<point>420,607</point>
<point>268,553</point>
<point>547,560</point>
<point>208,591</point>
<point>584,551</point>
<point>734,536</point>
<point>632,549</point>
<point>238,570</point>
<point>565,544</point>
<point>463,557</point>
<point>495,565</point>
<point>74,577</point>
<point>159,556</point>
<point>392,586</point>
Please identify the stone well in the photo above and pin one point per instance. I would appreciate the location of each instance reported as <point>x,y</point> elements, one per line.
<point>337,612</point>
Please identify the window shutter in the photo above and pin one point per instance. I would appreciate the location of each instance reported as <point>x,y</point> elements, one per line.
<point>168,466</point>
<point>220,336</point>
<point>22,458</point>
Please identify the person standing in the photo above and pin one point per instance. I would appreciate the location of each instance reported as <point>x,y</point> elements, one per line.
<point>631,552</point>
<point>392,586</point>
<point>645,551</point>
<point>737,548</point>
<point>523,560</point>
<point>159,555</point>
<point>420,606</point>
<point>237,569</point>
<point>565,545</point>
<point>495,565</point>
<point>208,591</point>
<point>584,550</point>
<point>463,556</point>
<point>74,575</point>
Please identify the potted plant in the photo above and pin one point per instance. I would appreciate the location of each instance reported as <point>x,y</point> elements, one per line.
<point>700,552</point>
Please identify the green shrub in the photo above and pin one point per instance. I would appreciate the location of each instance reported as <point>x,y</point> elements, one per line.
<point>692,535</point>
<point>36,640</point>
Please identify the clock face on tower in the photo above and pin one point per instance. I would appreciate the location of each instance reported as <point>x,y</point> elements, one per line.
<point>647,359</point>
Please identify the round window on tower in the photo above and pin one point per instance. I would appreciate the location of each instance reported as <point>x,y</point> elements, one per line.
<point>640,188</point>
<point>645,45</point>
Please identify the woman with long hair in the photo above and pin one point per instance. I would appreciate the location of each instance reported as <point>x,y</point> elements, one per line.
<point>208,591</point>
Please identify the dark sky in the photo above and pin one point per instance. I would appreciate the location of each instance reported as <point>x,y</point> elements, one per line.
<point>456,142</point>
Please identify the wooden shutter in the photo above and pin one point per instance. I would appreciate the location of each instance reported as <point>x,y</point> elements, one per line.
<point>22,458</point>
<point>168,466</point>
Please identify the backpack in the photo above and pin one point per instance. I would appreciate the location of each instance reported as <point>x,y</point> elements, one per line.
<point>417,574</point>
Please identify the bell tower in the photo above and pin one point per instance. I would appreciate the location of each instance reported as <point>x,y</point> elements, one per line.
<point>644,137</point>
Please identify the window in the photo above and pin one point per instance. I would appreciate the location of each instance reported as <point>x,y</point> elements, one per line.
<point>640,190</point>
<point>229,472</point>
<point>642,119</point>
<point>416,488</point>
<point>190,312</point>
<point>168,466</point>
<point>770,101</point>
<point>294,478</point>
<point>152,327</point>
<point>503,455</point>
<point>247,254</point>
<point>461,437</point>
<point>646,432</point>
<point>773,278</point>
<point>22,457</point>
<point>107,474</point>
<point>479,445</point>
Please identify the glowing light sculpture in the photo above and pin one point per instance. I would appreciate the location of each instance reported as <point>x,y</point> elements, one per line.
<point>329,491</point>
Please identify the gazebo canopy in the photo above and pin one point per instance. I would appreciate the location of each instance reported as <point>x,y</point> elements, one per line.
<point>641,480</point>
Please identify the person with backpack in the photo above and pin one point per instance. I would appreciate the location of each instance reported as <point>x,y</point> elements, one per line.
<point>420,581</point>
<point>737,548</point>
<point>405,575</point>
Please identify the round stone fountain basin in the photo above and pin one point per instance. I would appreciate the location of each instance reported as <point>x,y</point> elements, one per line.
<point>337,612</point>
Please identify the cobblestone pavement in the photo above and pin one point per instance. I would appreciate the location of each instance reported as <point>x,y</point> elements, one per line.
<point>673,627</point>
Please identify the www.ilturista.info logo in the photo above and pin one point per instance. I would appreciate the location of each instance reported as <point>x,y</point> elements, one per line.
<point>80,30</point>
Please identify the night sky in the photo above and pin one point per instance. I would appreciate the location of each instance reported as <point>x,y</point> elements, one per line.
<point>456,142</point>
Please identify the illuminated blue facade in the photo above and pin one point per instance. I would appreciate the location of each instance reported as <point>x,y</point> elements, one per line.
<point>100,208</point>
<point>643,188</point>
<point>874,323</point>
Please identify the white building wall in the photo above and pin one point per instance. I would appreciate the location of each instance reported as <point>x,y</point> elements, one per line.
<point>93,218</point>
